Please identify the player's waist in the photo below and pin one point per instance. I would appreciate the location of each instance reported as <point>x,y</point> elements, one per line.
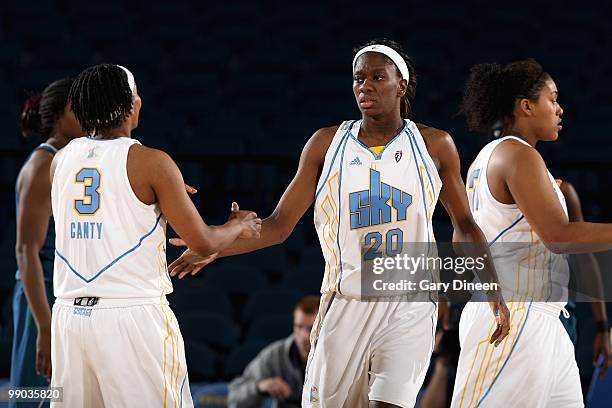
<point>103,303</point>
<point>553,309</point>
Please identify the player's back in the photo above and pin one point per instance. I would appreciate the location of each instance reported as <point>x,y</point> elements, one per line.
<point>109,244</point>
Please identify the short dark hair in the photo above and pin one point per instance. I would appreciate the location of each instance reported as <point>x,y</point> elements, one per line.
<point>41,111</point>
<point>308,304</point>
<point>101,98</point>
<point>406,103</point>
<point>491,90</point>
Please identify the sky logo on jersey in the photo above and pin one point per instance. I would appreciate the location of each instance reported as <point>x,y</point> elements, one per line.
<point>355,162</point>
<point>371,207</point>
<point>398,156</point>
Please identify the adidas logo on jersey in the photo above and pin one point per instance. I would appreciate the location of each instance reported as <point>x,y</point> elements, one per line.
<point>355,162</point>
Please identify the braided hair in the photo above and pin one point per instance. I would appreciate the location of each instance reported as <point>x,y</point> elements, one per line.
<point>406,102</point>
<point>101,98</point>
<point>41,111</point>
<point>491,90</point>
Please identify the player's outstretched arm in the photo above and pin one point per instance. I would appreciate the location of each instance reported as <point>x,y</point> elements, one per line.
<point>529,184</point>
<point>276,228</point>
<point>155,178</point>
<point>452,196</point>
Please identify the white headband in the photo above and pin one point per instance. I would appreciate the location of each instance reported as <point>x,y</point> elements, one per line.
<point>130,77</point>
<point>389,52</point>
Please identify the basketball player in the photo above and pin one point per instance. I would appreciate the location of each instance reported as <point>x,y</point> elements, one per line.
<point>49,116</point>
<point>514,199</point>
<point>115,341</point>
<point>589,276</point>
<point>369,353</point>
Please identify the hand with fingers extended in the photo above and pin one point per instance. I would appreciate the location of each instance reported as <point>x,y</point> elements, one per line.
<point>190,262</point>
<point>251,224</point>
<point>502,318</point>
<point>43,352</point>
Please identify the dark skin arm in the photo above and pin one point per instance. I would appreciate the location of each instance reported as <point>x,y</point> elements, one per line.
<point>155,178</point>
<point>33,214</point>
<point>510,165</point>
<point>300,195</point>
<point>591,277</point>
<point>442,149</point>
<point>275,229</point>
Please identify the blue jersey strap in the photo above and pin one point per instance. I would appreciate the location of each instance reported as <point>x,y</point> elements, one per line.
<point>47,147</point>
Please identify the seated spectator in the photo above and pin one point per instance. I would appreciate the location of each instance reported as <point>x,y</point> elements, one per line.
<point>278,370</point>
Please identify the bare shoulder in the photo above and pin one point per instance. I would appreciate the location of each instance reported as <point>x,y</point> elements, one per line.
<point>316,147</point>
<point>431,132</point>
<point>514,152</point>
<point>440,146</point>
<point>40,158</point>
<point>435,137</point>
<point>149,165</point>
<point>323,137</point>
<point>37,164</point>
<point>147,157</point>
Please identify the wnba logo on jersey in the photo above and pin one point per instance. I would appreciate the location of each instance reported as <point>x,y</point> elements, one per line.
<point>370,207</point>
<point>472,187</point>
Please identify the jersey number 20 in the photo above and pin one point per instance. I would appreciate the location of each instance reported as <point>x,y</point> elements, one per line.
<point>90,203</point>
<point>374,240</point>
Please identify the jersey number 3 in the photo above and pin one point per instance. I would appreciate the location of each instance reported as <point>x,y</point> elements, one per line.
<point>90,203</point>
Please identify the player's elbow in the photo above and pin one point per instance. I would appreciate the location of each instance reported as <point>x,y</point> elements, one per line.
<point>557,247</point>
<point>25,249</point>
<point>278,228</point>
<point>282,235</point>
<point>554,241</point>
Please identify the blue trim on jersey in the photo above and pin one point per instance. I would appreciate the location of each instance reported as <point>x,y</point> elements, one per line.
<point>316,339</point>
<point>47,147</point>
<point>331,165</point>
<point>182,384</point>
<point>379,156</point>
<point>424,198</point>
<point>340,214</point>
<point>507,358</point>
<point>422,186</point>
<point>422,158</point>
<point>63,258</point>
<point>506,229</point>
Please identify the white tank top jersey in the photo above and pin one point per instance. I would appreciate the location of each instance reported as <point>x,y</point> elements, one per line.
<point>526,272</point>
<point>109,244</point>
<point>373,200</point>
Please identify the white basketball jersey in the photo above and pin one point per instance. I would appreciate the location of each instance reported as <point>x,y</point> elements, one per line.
<point>372,200</point>
<point>108,244</point>
<point>527,269</point>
